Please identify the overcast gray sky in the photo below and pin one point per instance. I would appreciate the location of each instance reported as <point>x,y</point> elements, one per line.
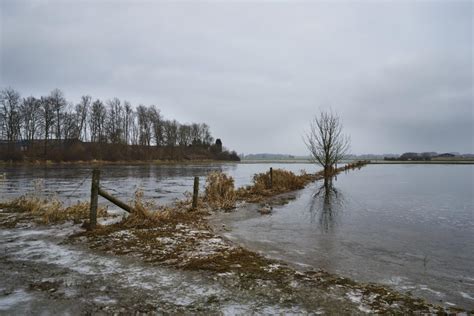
<point>399,73</point>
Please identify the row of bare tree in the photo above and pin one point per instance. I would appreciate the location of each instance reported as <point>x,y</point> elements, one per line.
<point>113,121</point>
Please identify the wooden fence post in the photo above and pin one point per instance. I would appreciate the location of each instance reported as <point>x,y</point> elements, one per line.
<point>94,198</point>
<point>195,192</point>
<point>271,177</point>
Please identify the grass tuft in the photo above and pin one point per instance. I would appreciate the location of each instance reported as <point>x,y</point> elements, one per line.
<point>147,214</point>
<point>51,211</point>
<point>220,192</point>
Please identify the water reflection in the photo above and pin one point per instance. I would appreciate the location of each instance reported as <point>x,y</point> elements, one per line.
<point>166,183</point>
<point>326,205</point>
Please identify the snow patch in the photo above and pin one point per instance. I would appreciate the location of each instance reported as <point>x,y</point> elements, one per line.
<point>356,297</point>
<point>272,267</point>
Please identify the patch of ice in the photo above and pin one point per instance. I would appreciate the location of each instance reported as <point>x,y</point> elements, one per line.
<point>425,288</point>
<point>465,295</point>
<point>198,232</point>
<point>105,300</point>
<point>15,298</point>
<point>116,212</point>
<point>395,280</point>
<point>166,240</point>
<point>356,297</point>
<point>43,246</point>
<point>109,220</point>
<point>364,309</point>
<point>301,264</point>
<point>272,267</point>
<point>181,226</point>
<point>123,233</point>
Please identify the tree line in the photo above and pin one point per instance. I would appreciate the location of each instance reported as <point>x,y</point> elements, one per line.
<point>53,119</point>
<point>112,121</point>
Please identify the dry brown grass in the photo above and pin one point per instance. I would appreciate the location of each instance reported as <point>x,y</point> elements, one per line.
<point>147,214</point>
<point>51,211</point>
<point>220,192</point>
<point>285,181</point>
<point>282,181</point>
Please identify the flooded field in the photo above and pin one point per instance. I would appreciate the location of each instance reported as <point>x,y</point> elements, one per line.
<point>407,226</point>
<point>165,183</point>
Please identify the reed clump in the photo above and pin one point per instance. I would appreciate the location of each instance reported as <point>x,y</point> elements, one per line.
<point>220,191</point>
<point>281,180</point>
<point>271,183</point>
<point>147,214</point>
<point>51,211</point>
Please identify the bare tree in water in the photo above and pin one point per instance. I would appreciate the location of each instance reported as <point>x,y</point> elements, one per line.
<point>326,141</point>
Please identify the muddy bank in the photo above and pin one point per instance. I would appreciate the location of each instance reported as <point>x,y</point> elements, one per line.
<point>42,272</point>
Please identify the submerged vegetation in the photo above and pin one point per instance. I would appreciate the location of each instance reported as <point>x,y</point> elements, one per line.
<point>45,211</point>
<point>220,191</point>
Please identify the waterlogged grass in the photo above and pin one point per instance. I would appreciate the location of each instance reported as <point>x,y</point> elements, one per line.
<point>44,211</point>
<point>220,191</point>
<point>221,194</point>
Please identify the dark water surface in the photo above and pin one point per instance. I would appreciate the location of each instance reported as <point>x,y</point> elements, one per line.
<point>408,226</point>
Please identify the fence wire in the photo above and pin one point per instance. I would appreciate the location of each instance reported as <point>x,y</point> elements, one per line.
<point>77,188</point>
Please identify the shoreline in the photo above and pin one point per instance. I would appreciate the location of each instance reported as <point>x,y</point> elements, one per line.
<point>430,162</point>
<point>122,162</point>
<point>210,161</point>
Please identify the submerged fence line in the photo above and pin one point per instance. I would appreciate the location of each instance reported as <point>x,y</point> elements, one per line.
<point>96,190</point>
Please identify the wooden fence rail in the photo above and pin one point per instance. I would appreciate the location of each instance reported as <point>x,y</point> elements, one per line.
<point>96,190</point>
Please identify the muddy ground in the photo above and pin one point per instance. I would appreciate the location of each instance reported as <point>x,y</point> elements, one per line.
<point>42,272</point>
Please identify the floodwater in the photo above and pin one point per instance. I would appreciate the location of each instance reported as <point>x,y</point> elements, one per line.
<point>163,183</point>
<point>408,226</point>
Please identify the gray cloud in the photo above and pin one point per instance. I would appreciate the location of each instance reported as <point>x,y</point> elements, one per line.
<point>399,74</point>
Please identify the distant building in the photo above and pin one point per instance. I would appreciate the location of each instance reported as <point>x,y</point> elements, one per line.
<point>218,145</point>
<point>446,155</point>
<point>413,157</point>
<point>409,156</point>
